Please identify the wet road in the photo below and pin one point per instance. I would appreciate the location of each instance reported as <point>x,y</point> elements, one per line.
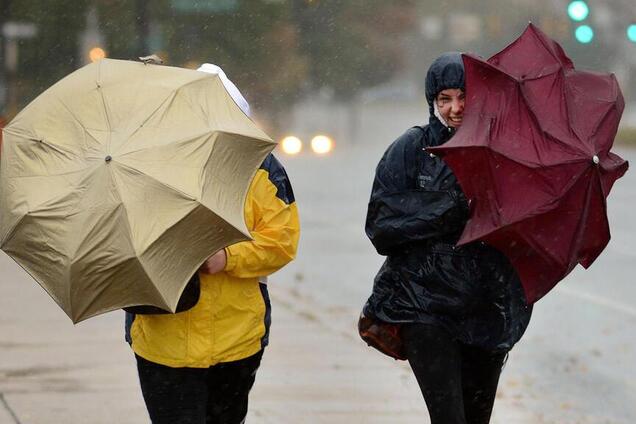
<point>574,365</point>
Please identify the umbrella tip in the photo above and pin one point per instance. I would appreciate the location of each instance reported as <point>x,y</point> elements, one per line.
<point>153,59</point>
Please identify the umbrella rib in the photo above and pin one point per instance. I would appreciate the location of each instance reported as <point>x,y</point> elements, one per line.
<point>580,228</point>
<point>166,185</point>
<point>255,137</point>
<point>521,93</point>
<point>599,123</point>
<point>530,110</point>
<point>547,47</point>
<point>9,233</point>
<point>537,125</point>
<point>183,140</point>
<point>170,97</point>
<point>545,254</point>
<point>58,299</point>
<point>172,226</point>
<point>21,177</point>
<point>101,95</point>
<point>530,164</point>
<point>537,77</point>
<point>566,104</point>
<point>42,141</point>
<point>598,181</point>
<point>189,100</point>
<point>35,208</point>
<point>40,283</point>
<point>185,216</point>
<point>533,116</point>
<point>210,158</point>
<point>68,109</point>
<point>149,247</point>
<point>75,188</point>
<point>137,256</point>
<point>494,192</point>
<point>535,213</point>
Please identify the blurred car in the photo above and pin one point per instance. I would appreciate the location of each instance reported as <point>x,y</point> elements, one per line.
<point>318,144</point>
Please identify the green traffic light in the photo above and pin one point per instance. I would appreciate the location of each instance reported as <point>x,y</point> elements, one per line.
<point>584,34</point>
<point>578,10</point>
<point>631,33</point>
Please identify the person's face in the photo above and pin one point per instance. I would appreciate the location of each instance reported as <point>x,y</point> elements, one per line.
<point>450,103</point>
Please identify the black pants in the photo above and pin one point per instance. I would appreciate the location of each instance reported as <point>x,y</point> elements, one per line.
<point>458,382</point>
<point>215,395</point>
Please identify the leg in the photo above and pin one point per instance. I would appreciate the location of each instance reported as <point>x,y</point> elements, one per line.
<point>436,362</point>
<point>480,371</point>
<point>173,395</point>
<point>229,385</point>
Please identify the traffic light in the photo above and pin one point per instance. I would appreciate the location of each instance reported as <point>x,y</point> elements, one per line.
<point>584,34</point>
<point>631,33</point>
<point>578,10</point>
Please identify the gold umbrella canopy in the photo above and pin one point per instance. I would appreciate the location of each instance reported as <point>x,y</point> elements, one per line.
<point>121,179</point>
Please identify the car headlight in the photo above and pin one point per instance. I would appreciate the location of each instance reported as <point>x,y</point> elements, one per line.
<point>321,144</point>
<point>291,145</point>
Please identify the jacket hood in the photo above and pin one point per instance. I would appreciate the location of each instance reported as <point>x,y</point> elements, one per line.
<point>228,84</point>
<point>447,71</point>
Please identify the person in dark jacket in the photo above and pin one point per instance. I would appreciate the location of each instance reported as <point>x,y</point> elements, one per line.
<point>460,309</point>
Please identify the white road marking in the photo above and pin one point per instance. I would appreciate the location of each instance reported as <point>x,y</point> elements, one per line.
<point>599,300</point>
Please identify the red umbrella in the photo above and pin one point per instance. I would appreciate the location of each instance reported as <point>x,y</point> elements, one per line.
<point>533,156</point>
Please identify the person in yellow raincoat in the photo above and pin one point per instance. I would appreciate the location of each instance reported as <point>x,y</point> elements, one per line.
<point>199,365</point>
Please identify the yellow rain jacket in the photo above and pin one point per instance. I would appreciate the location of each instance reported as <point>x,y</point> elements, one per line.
<point>231,319</point>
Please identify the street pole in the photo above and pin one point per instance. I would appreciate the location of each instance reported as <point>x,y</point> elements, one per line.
<point>11,62</point>
<point>4,83</point>
<point>143,27</point>
<point>11,32</point>
<point>610,19</point>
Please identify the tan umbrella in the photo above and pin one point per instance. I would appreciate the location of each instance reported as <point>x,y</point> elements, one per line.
<point>117,182</point>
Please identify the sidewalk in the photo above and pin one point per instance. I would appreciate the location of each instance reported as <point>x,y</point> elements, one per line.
<point>316,370</point>
<point>52,372</point>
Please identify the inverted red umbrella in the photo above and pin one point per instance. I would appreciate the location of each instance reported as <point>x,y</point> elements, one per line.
<point>533,156</point>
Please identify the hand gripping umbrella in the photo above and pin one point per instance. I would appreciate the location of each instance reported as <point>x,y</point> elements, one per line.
<point>118,181</point>
<point>533,156</point>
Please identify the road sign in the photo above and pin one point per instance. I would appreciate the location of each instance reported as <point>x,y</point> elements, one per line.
<point>204,6</point>
<point>19,30</point>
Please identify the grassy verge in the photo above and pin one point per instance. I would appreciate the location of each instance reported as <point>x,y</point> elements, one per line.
<point>626,136</point>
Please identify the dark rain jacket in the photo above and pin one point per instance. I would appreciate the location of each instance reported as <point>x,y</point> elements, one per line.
<point>416,214</point>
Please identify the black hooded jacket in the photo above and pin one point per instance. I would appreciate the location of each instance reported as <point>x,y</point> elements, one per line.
<point>416,214</point>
